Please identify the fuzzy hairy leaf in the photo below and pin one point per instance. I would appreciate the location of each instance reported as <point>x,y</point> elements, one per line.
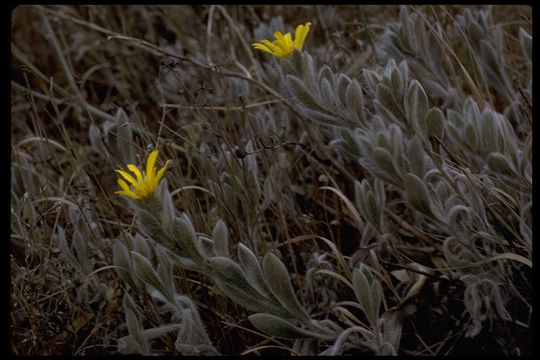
<point>252,269</point>
<point>122,260</point>
<point>415,156</point>
<point>280,328</point>
<point>368,292</point>
<point>388,101</point>
<point>354,101</point>
<point>499,163</point>
<point>220,235</point>
<point>277,279</point>
<point>526,44</point>
<point>417,194</point>
<point>386,162</point>
<point>416,104</point>
<point>146,273</point>
<point>303,94</point>
<point>232,281</point>
<point>434,122</point>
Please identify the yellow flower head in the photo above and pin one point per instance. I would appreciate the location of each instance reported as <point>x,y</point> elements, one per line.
<point>284,44</point>
<point>143,185</point>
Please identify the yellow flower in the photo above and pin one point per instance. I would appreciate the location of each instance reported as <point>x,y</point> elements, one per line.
<point>284,45</point>
<point>143,185</point>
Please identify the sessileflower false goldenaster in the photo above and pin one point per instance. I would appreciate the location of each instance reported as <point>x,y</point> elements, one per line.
<point>284,45</point>
<point>142,185</point>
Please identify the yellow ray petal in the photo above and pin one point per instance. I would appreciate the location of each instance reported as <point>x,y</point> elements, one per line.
<point>300,35</point>
<point>288,40</point>
<point>151,163</point>
<point>161,172</point>
<point>262,47</point>
<point>128,194</point>
<point>137,173</point>
<point>278,35</point>
<point>272,45</point>
<point>127,176</point>
<point>123,185</point>
<point>126,190</point>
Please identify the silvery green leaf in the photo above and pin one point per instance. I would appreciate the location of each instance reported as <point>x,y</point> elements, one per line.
<point>415,156</point>
<point>473,303</point>
<point>416,104</point>
<point>128,303</point>
<point>362,281</point>
<point>167,204</point>
<point>435,123</point>
<point>175,259</point>
<point>417,194</point>
<point>327,93</point>
<point>251,162</point>
<point>499,163</point>
<point>62,242</point>
<point>397,81</point>
<point>122,261</point>
<point>396,143</point>
<point>476,33</point>
<point>268,193</point>
<point>360,198</point>
<point>471,110</point>
<point>386,162</point>
<point>376,299</point>
<point>490,131</point>
<point>454,133</point>
<point>253,271</point>
<point>348,142</point>
<point>343,83</point>
<point>164,272</point>
<point>134,326</point>
<point>220,235</point>
<point>386,113</point>
<point>207,247</point>
<point>94,135</point>
<point>491,62</point>
<point>388,100</point>
<point>280,328</point>
<point>232,281</point>
<point>76,253</point>
<point>186,239</point>
<point>303,94</point>
<point>322,118</point>
<point>128,344</point>
<point>526,44</point>
<point>499,302</point>
<point>326,74</point>
<point>372,209</point>
<point>124,141</point>
<point>372,78</point>
<point>192,337</point>
<point>230,198</point>
<point>383,140</point>
<point>150,226</point>
<point>378,187</point>
<point>278,281</point>
<point>146,273</point>
<point>364,145</point>
<point>471,136</point>
<point>308,68</point>
<point>140,245</point>
<point>354,101</point>
<point>455,118</point>
<point>459,217</point>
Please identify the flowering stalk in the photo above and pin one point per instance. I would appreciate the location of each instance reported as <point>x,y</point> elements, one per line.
<point>284,45</point>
